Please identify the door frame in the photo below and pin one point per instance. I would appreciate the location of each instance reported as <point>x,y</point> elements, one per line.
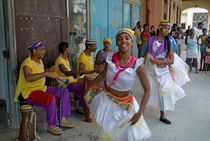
<point>9,20</point>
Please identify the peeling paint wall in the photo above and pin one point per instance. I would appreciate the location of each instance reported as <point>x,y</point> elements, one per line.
<point>109,16</point>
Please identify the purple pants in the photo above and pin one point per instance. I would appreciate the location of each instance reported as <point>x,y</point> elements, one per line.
<point>76,88</point>
<point>48,100</point>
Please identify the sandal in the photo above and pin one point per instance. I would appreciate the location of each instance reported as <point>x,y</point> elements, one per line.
<point>55,130</point>
<point>68,125</point>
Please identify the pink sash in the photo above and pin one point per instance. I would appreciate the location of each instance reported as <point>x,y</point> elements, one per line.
<point>115,59</point>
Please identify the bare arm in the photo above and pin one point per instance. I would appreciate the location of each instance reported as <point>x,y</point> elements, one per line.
<point>141,71</point>
<point>144,39</point>
<point>98,58</point>
<point>97,80</point>
<point>66,72</point>
<point>82,69</point>
<point>200,37</point>
<point>29,77</point>
<point>145,55</point>
<point>146,86</point>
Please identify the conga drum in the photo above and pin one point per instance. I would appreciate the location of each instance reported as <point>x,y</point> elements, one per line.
<point>88,78</point>
<point>26,132</point>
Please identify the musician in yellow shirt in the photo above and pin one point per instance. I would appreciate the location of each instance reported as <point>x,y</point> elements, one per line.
<point>64,71</point>
<point>86,60</point>
<point>31,89</point>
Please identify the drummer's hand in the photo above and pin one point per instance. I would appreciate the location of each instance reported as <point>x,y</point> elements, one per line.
<point>53,69</point>
<point>52,74</point>
<point>82,72</point>
<point>99,68</point>
<point>135,118</point>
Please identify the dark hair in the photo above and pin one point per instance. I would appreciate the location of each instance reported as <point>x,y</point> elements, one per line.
<point>138,22</point>
<point>62,46</point>
<point>200,23</point>
<point>204,29</point>
<point>167,44</point>
<point>145,25</point>
<point>87,45</point>
<point>174,25</point>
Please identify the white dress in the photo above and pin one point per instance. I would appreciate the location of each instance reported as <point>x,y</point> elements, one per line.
<point>180,70</point>
<point>112,120</point>
<point>192,48</point>
<point>164,90</point>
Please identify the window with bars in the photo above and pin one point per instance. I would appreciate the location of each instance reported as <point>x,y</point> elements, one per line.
<point>200,17</point>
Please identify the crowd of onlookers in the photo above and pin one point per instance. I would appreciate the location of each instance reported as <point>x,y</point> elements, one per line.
<point>195,39</point>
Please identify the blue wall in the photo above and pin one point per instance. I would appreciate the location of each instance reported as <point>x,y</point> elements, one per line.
<point>3,60</point>
<point>108,17</point>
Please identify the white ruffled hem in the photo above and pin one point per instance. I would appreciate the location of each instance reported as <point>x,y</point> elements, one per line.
<point>114,121</point>
<point>164,91</point>
<point>180,69</point>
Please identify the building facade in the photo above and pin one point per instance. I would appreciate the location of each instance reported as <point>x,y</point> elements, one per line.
<point>49,21</point>
<point>192,16</point>
<point>154,10</point>
<point>205,4</point>
<point>112,16</point>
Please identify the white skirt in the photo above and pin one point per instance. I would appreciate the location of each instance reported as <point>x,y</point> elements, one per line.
<point>164,91</point>
<point>114,122</point>
<point>192,53</point>
<point>180,69</point>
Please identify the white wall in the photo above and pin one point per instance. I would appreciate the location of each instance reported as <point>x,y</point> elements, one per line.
<point>187,15</point>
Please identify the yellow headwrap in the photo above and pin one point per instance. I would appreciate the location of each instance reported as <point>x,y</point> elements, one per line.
<point>126,30</point>
<point>107,40</point>
<point>163,22</point>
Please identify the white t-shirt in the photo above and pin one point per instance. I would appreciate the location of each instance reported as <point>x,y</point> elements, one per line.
<point>198,32</point>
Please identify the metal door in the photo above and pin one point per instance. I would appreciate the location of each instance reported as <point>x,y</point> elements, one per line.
<point>99,19</point>
<point>127,15</point>
<point>115,20</point>
<point>106,20</point>
<point>135,12</point>
<point>41,20</point>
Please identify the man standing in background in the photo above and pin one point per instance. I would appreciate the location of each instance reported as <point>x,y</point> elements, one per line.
<point>137,30</point>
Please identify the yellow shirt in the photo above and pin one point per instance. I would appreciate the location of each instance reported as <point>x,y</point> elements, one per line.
<point>88,61</point>
<point>203,37</point>
<point>24,87</point>
<point>138,36</point>
<point>60,60</point>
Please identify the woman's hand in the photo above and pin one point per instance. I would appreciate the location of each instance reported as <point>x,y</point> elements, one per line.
<point>135,118</point>
<point>155,61</point>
